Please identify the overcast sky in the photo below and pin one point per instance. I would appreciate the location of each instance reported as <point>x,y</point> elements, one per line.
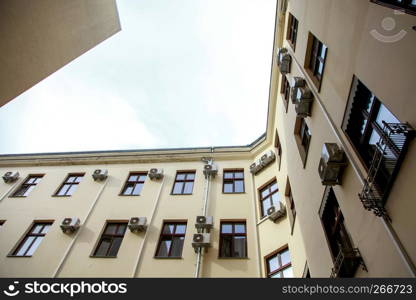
<point>180,73</point>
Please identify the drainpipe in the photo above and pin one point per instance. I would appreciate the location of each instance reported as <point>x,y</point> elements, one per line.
<point>256,232</point>
<point>8,191</point>
<point>139,257</point>
<point>71,245</point>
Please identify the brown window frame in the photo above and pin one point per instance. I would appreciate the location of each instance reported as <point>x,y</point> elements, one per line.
<point>404,7</point>
<point>277,253</point>
<point>112,237</point>
<point>291,205</point>
<point>292,31</point>
<point>268,186</point>
<point>76,175</point>
<point>163,236</point>
<point>314,58</point>
<point>27,186</point>
<point>232,181</point>
<point>232,235</point>
<point>184,181</point>
<point>278,147</point>
<point>303,137</point>
<point>285,91</point>
<point>28,234</point>
<point>129,182</point>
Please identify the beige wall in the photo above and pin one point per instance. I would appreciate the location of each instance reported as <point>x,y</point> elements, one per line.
<point>39,37</point>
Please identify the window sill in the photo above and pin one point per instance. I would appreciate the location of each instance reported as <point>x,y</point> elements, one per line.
<point>98,256</point>
<point>168,257</point>
<point>128,195</point>
<point>61,195</point>
<point>239,193</point>
<point>181,194</point>
<point>239,258</point>
<point>17,197</point>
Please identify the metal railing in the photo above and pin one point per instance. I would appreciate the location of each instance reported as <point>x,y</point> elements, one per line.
<point>344,256</point>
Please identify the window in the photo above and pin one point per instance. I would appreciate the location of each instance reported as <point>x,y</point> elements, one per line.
<point>70,185</point>
<point>278,264</point>
<point>134,184</point>
<point>27,186</point>
<point>2,222</point>
<point>269,196</point>
<point>285,91</point>
<point>303,138</point>
<point>171,240</point>
<point>233,239</point>
<point>184,183</point>
<point>408,6</point>
<point>278,147</point>
<point>315,59</point>
<point>110,240</point>
<point>233,182</point>
<point>292,31</point>
<point>291,205</point>
<point>32,240</point>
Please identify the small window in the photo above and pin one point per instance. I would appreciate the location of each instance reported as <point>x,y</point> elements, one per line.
<point>315,60</point>
<point>233,182</point>
<point>278,147</point>
<point>233,239</point>
<point>134,184</point>
<point>285,91</point>
<point>292,31</point>
<point>184,183</point>
<point>32,240</point>
<point>291,205</point>
<point>110,240</point>
<point>70,185</point>
<point>2,222</point>
<point>279,265</point>
<point>171,240</point>
<point>27,186</point>
<point>408,6</point>
<point>269,196</point>
<point>303,138</point>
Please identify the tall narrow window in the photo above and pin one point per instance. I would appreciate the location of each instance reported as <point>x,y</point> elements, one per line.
<point>2,222</point>
<point>303,138</point>
<point>285,91</point>
<point>291,205</point>
<point>269,196</point>
<point>184,183</point>
<point>279,264</point>
<point>27,186</point>
<point>110,240</point>
<point>171,240</point>
<point>70,185</point>
<point>134,184</point>
<point>278,147</point>
<point>315,60</point>
<point>233,239</point>
<point>233,181</point>
<point>32,240</point>
<point>292,31</point>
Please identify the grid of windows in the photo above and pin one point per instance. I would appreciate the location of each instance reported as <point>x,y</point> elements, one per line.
<point>70,185</point>
<point>110,240</point>
<point>269,196</point>
<point>317,52</point>
<point>233,181</point>
<point>27,186</point>
<point>184,183</point>
<point>32,240</point>
<point>233,239</point>
<point>171,240</point>
<point>292,30</point>
<point>134,184</point>
<point>279,264</point>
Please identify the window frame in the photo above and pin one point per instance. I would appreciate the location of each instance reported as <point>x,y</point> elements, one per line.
<point>163,235</point>
<point>233,222</point>
<point>27,186</point>
<point>285,92</point>
<point>111,236</point>
<point>277,253</point>
<point>184,181</point>
<point>2,222</point>
<point>233,180</point>
<point>292,31</point>
<point>313,59</point>
<point>28,233</point>
<point>290,204</point>
<point>264,187</point>
<point>278,147</point>
<point>405,7</point>
<point>300,134</point>
<point>139,174</point>
<point>56,194</point>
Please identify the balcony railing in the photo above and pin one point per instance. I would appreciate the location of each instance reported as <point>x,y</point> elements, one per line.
<point>388,155</point>
<point>347,262</point>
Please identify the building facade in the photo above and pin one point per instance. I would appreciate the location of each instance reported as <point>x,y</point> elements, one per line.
<point>336,161</point>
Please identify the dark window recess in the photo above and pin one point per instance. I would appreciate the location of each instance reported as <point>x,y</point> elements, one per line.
<point>233,239</point>
<point>269,196</point>
<point>184,183</point>
<point>278,147</point>
<point>347,259</point>
<point>315,62</point>
<point>279,264</point>
<point>408,6</point>
<point>285,91</point>
<point>70,185</point>
<point>303,138</point>
<point>171,240</point>
<point>27,186</point>
<point>32,239</point>
<point>2,222</point>
<point>134,184</point>
<point>233,182</point>
<point>292,30</point>
<point>381,141</point>
<point>110,240</point>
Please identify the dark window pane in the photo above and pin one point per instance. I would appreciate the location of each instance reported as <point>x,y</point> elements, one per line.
<point>115,246</point>
<point>239,246</point>
<point>164,248</point>
<point>121,229</point>
<point>111,229</point>
<point>169,229</point>
<point>103,247</point>
<point>177,246</point>
<point>129,189</point>
<point>226,246</point>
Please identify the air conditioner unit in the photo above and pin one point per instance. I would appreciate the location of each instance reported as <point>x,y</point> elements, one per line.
<point>11,176</point>
<point>100,174</point>
<point>210,169</point>
<point>276,213</point>
<point>332,164</point>
<point>295,83</point>
<point>267,158</point>
<point>256,167</point>
<point>303,101</point>
<point>201,240</point>
<point>70,225</point>
<point>284,61</point>
<point>203,222</point>
<point>155,174</point>
<point>137,224</point>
